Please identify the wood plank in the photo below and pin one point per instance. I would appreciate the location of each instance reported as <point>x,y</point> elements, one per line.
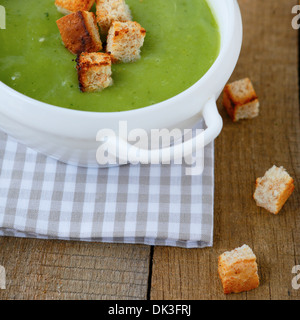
<point>61,270</point>
<point>244,151</point>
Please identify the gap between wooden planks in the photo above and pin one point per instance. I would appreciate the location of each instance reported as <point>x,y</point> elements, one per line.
<point>243,152</point>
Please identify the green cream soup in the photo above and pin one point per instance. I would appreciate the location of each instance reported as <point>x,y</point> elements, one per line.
<point>181,44</point>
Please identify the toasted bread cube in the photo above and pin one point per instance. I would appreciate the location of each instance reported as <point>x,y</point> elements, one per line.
<point>240,100</point>
<point>94,71</point>
<point>79,32</point>
<point>68,6</point>
<point>124,41</point>
<point>273,190</point>
<point>238,270</point>
<point>108,11</point>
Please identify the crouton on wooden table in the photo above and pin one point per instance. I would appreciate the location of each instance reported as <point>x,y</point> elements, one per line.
<point>240,100</point>
<point>108,11</point>
<point>273,189</point>
<point>69,6</point>
<point>124,41</point>
<point>94,71</point>
<point>238,270</point>
<point>79,32</point>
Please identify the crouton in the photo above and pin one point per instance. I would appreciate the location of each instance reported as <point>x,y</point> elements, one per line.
<point>108,11</point>
<point>238,270</point>
<point>68,6</point>
<point>273,190</point>
<point>124,41</point>
<point>94,71</point>
<point>240,100</point>
<point>79,32</point>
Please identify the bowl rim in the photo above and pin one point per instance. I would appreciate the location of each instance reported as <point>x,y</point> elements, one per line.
<point>224,46</point>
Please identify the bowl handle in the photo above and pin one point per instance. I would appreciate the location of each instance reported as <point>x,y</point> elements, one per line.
<point>214,124</point>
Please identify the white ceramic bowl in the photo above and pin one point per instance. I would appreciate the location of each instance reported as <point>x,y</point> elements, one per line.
<point>70,136</point>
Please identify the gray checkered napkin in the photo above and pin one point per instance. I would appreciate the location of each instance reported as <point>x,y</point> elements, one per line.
<point>154,205</point>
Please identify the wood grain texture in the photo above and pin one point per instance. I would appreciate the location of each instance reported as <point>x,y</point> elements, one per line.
<point>244,151</point>
<point>60,270</point>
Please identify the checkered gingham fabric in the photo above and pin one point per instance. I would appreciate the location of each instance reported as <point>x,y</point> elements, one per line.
<point>146,204</point>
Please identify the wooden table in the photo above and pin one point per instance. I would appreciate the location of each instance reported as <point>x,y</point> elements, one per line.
<point>40,269</point>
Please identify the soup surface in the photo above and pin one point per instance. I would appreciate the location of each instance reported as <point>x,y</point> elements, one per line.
<point>181,44</point>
